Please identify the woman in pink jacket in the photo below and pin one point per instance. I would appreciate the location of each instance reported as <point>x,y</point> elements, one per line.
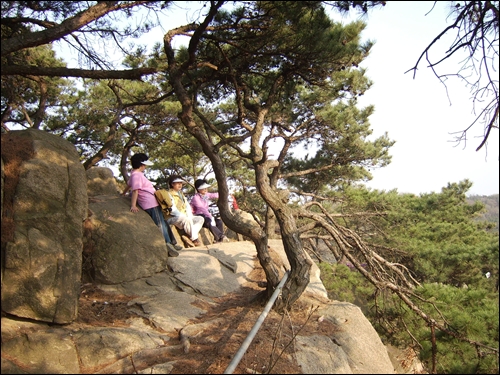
<point>199,205</point>
<point>143,195</point>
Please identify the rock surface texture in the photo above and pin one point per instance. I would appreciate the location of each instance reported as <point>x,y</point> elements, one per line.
<point>170,317</point>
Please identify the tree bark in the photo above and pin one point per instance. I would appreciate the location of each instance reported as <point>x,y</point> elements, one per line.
<point>300,264</point>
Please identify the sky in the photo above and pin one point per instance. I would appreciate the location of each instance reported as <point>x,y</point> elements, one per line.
<point>416,112</point>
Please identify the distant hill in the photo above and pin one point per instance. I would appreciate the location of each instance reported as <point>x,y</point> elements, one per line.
<point>491,205</point>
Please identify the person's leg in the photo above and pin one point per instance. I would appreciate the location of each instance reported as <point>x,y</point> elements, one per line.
<point>172,237</point>
<point>218,235</point>
<point>157,216</point>
<point>206,223</point>
<point>219,224</point>
<point>196,225</point>
<point>183,223</point>
<point>190,226</point>
<point>220,227</point>
<point>214,229</point>
<point>170,233</point>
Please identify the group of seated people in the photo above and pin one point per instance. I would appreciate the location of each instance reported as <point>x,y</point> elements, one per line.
<point>189,216</point>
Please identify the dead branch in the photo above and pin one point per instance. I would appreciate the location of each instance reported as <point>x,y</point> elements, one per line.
<point>380,272</point>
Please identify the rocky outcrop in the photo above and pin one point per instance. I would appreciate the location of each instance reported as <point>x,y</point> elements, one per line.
<point>42,263</point>
<point>100,181</point>
<point>64,214</point>
<point>116,239</point>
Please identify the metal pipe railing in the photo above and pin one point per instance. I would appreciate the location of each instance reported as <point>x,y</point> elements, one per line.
<point>248,340</point>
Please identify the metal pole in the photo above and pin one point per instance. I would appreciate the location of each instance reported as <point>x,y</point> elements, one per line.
<point>246,343</point>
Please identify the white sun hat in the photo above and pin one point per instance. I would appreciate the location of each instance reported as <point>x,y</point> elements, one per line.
<point>203,186</point>
<point>179,180</point>
<point>147,162</point>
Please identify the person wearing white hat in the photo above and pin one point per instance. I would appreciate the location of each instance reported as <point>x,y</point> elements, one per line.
<point>199,206</point>
<point>143,195</point>
<point>181,215</point>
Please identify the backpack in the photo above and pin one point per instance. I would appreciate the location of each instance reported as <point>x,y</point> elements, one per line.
<point>164,200</point>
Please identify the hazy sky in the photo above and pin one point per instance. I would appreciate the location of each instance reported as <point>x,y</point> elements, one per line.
<point>417,113</point>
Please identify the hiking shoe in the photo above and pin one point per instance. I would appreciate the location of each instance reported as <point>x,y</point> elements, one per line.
<point>197,242</point>
<point>177,247</point>
<point>171,251</point>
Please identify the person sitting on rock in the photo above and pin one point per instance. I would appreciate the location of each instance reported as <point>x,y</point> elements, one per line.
<point>199,205</point>
<point>143,195</point>
<point>181,215</point>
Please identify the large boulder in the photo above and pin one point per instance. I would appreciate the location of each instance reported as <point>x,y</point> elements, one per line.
<point>43,259</point>
<point>356,347</point>
<point>120,245</point>
<point>101,181</point>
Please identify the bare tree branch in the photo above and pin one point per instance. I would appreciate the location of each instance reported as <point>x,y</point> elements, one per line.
<point>476,24</point>
<point>68,26</point>
<point>132,74</point>
<point>383,274</point>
